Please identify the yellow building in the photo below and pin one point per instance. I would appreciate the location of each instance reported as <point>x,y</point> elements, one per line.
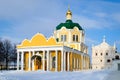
<point>64,51</point>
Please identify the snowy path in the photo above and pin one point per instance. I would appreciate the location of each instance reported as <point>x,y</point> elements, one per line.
<point>114,75</point>
<point>39,75</point>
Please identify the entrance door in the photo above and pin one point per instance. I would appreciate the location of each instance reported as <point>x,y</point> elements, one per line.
<point>37,62</point>
<point>119,67</point>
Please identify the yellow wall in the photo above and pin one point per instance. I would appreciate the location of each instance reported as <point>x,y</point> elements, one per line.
<point>59,60</point>
<point>26,60</point>
<point>69,37</point>
<point>38,40</point>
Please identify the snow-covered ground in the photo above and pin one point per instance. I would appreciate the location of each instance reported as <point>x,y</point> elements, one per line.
<point>41,75</point>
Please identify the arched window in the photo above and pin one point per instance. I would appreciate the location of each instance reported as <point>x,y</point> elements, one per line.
<point>77,38</point>
<point>108,60</point>
<point>107,54</point>
<point>101,54</point>
<point>53,62</point>
<point>96,54</point>
<point>73,37</point>
<point>63,38</point>
<point>117,57</point>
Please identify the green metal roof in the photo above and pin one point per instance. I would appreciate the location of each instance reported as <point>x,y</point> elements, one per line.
<point>69,25</point>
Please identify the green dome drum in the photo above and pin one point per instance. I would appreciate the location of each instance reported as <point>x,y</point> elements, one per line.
<point>69,25</point>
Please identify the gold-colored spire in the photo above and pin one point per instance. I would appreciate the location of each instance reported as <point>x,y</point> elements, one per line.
<point>69,14</point>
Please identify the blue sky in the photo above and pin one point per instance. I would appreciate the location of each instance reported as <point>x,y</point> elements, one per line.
<point>20,19</point>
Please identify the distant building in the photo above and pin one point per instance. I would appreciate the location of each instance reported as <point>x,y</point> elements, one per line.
<point>103,55</point>
<point>116,62</point>
<point>64,51</point>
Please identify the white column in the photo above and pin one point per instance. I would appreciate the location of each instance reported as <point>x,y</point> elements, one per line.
<point>33,53</point>
<point>29,64</point>
<point>85,62</point>
<point>82,62</point>
<point>68,61</point>
<point>50,62</point>
<point>77,64</point>
<point>64,61</point>
<point>47,60</point>
<point>17,60</point>
<point>56,64</point>
<point>43,60</point>
<point>22,60</point>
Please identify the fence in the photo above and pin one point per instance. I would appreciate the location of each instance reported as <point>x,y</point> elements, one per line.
<point>10,67</point>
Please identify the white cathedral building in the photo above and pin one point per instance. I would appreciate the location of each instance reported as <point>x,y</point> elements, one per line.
<point>103,56</point>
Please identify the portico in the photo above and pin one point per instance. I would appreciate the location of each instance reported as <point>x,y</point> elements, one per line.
<point>52,58</point>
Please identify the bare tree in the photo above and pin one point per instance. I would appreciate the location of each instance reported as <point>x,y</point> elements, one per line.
<point>1,52</point>
<point>7,51</point>
<point>13,56</point>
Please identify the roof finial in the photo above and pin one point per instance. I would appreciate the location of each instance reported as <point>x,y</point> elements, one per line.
<point>69,14</point>
<point>68,7</point>
<point>104,38</point>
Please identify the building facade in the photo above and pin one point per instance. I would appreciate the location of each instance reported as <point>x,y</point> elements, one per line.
<point>103,55</point>
<point>64,51</point>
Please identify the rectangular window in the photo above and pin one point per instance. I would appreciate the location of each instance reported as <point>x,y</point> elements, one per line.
<point>61,37</point>
<point>65,39</point>
<point>73,37</point>
<point>76,38</point>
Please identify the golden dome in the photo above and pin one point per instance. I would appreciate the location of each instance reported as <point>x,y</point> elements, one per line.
<point>69,15</point>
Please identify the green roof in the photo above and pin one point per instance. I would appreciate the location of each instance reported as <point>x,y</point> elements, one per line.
<point>69,25</point>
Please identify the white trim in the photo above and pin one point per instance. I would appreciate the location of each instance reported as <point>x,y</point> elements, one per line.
<point>33,61</point>
<point>52,48</point>
<point>22,60</point>
<point>38,54</point>
<point>64,61</point>
<point>50,62</point>
<point>43,60</point>
<point>48,54</point>
<point>68,65</point>
<point>29,62</point>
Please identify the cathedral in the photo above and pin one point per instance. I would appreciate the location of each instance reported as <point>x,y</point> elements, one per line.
<point>104,55</point>
<point>63,51</point>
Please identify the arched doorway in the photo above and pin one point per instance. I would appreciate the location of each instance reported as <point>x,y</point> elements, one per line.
<point>37,62</point>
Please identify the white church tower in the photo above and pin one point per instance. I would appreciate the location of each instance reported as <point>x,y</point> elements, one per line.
<point>103,55</point>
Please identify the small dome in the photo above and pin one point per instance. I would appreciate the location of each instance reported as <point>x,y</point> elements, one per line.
<point>68,13</point>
